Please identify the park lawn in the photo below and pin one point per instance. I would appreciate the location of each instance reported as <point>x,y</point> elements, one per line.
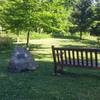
<point>75,84</point>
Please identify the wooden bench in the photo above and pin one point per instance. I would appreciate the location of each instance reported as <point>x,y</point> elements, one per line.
<point>75,57</point>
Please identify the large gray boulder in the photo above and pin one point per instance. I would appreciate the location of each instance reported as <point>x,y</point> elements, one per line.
<point>21,60</point>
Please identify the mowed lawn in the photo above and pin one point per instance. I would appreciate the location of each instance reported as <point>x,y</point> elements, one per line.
<point>75,84</point>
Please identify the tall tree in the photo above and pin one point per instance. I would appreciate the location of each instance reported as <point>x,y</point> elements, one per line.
<point>69,3</point>
<point>19,15</point>
<point>50,17</point>
<point>13,16</point>
<point>54,16</point>
<point>95,26</point>
<point>81,16</point>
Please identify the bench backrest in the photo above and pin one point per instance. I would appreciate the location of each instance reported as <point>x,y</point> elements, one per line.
<point>83,57</point>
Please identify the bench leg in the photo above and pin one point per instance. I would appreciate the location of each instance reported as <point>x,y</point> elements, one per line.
<point>55,69</point>
<point>61,70</point>
<point>58,69</point>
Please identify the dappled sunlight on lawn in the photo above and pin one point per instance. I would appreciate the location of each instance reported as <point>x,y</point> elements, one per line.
<point>41,84</point>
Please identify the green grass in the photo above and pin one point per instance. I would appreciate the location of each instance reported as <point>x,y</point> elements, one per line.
<point>75,84</point>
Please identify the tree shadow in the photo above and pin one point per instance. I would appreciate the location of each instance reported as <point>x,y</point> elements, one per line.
<point>47,68</point>
<point>80,74</point>
<point>66,36</point>
<point>91,43</point>
<point>41,56</point>
<point>85,44</point>
<point>74,46</point>
<point>74,37</point>
<point>32,46</point>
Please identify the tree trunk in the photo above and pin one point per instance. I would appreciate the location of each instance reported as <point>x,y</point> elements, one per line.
<point>80,35</point>
<point>27,44</point>
<point>18,36</point>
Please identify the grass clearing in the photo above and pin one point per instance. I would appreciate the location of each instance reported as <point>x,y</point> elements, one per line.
<point>76,84</point>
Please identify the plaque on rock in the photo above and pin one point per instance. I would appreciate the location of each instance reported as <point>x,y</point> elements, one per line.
<point>21,60</point>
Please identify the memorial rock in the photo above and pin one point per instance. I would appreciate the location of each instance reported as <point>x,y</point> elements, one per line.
<point>21,60</point>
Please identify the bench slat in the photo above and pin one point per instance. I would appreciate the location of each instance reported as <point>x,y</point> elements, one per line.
<point>82,58</point>
<point>73,54</point>
<point>86,54</point>
<point>96,59</point>
<point>61,55</point>
<point>69,56</point>
<point>65,57</point>
<point>78,58</point>
<point>58,59</point>
<point>91,58</point>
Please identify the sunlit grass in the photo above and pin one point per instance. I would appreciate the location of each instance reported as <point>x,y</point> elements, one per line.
<point>76,84</point>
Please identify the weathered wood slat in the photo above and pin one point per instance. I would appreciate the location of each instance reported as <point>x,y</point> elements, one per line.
<point>58,58</point>
<point>65,56</point>
<point>86,53</point>
<point>73,55</point>
<point>91,59</point>
<point>80,57</point>
<point>96,59</point>
<point>61,55</point>
<point>77,57</point>
<point>69,56</point>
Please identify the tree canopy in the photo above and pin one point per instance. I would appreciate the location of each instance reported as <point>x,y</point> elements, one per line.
<point>81,15</point>
<point>95,26</point>
<point>49,16</point>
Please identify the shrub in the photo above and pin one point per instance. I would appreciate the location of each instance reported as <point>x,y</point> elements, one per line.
<point>58,32</point>
<point>73,29</point>
<point>6,42</point>
<point>95,30</point>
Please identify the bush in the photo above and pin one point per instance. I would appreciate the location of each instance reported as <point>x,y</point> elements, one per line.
<point>6,43</point>
<point>58,32</point>
<point>95,31</point>
<point>73,29</point>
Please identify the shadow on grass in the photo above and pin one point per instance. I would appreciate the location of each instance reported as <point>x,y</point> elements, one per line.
<point>32,46</point>
<point>38,51</point>
<point>41,56</point>
<point>43,85</point>
<point>44,69</point>
<point>67,37</point>
<point>72,46</point>
<point>80,74</point>
<point>47,68</point>
<point>73,37</point>
<point>85,44</point>
<point>91,43</point>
